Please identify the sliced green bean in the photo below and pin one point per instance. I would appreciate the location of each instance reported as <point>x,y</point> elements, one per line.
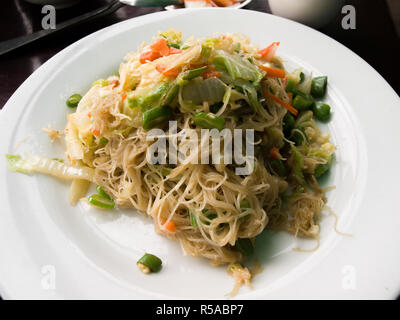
<point>101,202</point>
<point>245,204</point>
<point>73,100</point>
<point>102,193</point>
<point>290,84</point>
<point>209,121</point>
<point>103,141</point>
<point>303,102</point>
<point>322,111</point>
<point>156,116</point>
<point>318,86</point>
<point>151,261</point>
<point>323,168</point>
<point>191,74</point>
<point>193,219</point>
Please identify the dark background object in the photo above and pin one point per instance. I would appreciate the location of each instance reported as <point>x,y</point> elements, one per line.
<point>375,38</point>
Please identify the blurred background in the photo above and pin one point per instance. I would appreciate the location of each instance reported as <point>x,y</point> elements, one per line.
<point>375,39</point>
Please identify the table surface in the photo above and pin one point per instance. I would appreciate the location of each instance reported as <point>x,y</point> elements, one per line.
<point>375,38</point>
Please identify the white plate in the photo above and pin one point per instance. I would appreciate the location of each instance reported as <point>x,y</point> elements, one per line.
<point>93,253</point>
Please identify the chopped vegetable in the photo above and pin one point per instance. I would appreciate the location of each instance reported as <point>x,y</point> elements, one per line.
<point>281,102</point>
<point>73,100</point>
<point>191,74</point>
<point>209,121</point>
<point>301,102</point>
<point>197,91</point>
<point>288,123</point>
<point>245,246</point>
<point>273,72</point>
<point>244,204</point>
<point>100,82</point>
<point>150,261</point>
<point>168,72</point>
<point>77,190</point>
<point>156,116</point>
<point>103,141</point>
<point>322,111</point>
<point>274,153</point>
<point>269,52</point>
<point>193,219</point>
<point>170,227</point>
<point>322,168</point>
<point>318,86</point>
<point>298,165</point>
<point>101,202</point>
<point>290,84</point>
<point>237,67</point>
<point>48,166</point>
<point>102,193</point>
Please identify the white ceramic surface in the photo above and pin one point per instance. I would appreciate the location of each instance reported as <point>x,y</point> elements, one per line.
<point>236,6</point>
<point>315,13</point>
<point>94,253</point>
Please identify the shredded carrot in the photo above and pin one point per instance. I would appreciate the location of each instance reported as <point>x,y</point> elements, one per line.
<point>96,132</point>
<point>274,153</point>
<point>169,226</point>
<point>161,47</point>
<point>224,3</point>
<point>268,52</point>
<point>172,72</point>
<point>89,115</point>
<point>280,101</point>
<point>290,98</point>
<point>273,72</point>
<point>123,96</point>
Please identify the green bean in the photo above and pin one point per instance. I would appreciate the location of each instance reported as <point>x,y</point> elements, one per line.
<point>297,137</point>
<point>191,74</point>
<point>288,123</point>
<point>302,77</point>
<point>322,111</point>
<point>185,47</point>
<point>156,116</point>
<point>151,261</point>
<point>174,45</point>
<point>73,100</point>
<point>101,202</point>
<point>318,86</point>
<point>154,97</point>
<point>103,141</point>
<point>245,246</point>
<point>290,84</point>
<point>322,168</point>
<point>303,102</point>
<point>193,219</point>
<point>278,167</point>
<point>100,82</point>
<point>102,193</point>
<point>298,165</point>
<point>209,121</point>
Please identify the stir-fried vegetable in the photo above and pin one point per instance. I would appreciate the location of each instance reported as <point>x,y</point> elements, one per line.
<point>73,100</point>
<point>318,86</point>
<point>208,121</point>
<point>151,262</point>
<point>156,116</point>
<point>237,67</point>
<point>197,91</point>
<point>322,111</point>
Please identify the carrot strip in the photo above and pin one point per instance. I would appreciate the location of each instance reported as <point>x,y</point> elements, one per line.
<point>268,52</point>
<point>273,72</point>
<point>290,98</point>
<point>281,102</point>
<point>123,96</point>
<point>274,153</point>
<point>169,226</point>
<point>96,132</point>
